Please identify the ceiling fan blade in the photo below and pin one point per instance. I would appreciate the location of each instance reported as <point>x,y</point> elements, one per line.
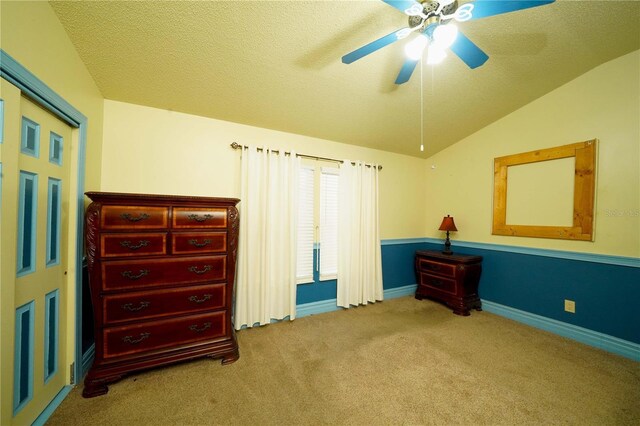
<point>466,50</point>
<point>372,47</point>
<point>403,5</point>
<point>406,70</point>
<point>486,8</point>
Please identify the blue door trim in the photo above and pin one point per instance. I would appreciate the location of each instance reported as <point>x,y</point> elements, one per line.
<point>12,71</point>
<point>1,120</point>
<point>27,208</point>
<point>44,416</point>
<point>51,333</point>
<point>21,371</point>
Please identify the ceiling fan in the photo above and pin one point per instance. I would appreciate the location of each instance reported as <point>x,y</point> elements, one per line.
<point>433,21</point>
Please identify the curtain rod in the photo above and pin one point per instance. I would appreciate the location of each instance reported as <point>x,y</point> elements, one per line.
<point>236,145</point>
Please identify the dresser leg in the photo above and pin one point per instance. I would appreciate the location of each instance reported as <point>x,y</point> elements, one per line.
<point>460,307</point>
<point>231,358</point>
<point>94,388</point>
<point>463,312</point>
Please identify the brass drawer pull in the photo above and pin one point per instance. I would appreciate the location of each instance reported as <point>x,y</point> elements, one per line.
<point>195,269</point>
<point>199,218</point>
<point>132,341</point>
<point>141,243</point>
<point>436,283</point>
<point>195,328</point>
<point>195,243</point>
<point>131,276</point>
<point>129,306</point>
<point>195,299</point>
<point>130,218</point>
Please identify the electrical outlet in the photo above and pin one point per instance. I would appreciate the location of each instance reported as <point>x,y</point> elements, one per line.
<point>570,306</point>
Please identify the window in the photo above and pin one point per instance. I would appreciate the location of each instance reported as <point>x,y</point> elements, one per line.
<point>328,223</point>
<point>327,194</point>
<point>304,268</point>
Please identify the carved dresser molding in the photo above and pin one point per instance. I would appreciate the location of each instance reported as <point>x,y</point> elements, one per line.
<point>161,274</point>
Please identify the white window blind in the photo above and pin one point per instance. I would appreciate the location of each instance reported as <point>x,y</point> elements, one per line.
<point>328,223</point>
<point>304,267</point>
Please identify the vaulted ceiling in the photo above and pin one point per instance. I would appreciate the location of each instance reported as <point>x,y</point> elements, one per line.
<point>277,64</point>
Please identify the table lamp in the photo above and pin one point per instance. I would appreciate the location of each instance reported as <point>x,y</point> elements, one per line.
<point>447,225</point>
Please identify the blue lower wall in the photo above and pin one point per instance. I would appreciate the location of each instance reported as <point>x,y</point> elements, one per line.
<point>397,271</point>
<point>606,294</point>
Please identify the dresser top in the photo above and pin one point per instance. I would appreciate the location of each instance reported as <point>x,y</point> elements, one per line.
<point>454,258</point>
<point>129,198</point>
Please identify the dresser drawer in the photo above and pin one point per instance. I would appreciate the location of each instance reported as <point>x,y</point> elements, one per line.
<point>438,283</point>
<point>199,218</point>
<point>437,267</point>
<point>198,242</point>
<point>154,335</point>
<point>134,217</point>
<point>156,304</point>
<point>141,273</point>
<point>142,244</point>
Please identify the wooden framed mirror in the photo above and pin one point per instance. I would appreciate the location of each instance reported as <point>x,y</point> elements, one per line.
<point>549,205</point>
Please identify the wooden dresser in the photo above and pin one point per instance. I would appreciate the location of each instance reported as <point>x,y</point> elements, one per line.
<point>452,279</point>
<point>161,272</point>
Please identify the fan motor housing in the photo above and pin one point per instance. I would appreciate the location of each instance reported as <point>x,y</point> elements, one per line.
<point>429,8</point>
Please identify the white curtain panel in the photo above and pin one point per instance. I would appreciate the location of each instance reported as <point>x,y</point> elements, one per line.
<point>266,277</point>
<point>359,259</point>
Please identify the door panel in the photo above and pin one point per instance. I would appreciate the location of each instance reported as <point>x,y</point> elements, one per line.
<point>35,266</point>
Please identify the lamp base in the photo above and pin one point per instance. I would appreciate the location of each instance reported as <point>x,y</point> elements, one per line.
<point>447,245</point>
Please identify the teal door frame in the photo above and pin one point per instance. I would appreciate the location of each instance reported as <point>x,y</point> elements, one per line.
<point>34,88</point>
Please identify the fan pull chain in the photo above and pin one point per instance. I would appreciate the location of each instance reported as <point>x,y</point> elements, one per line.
<point>421,110</point>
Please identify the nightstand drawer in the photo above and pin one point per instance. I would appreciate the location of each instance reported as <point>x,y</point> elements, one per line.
<point>438,283</point>
<point>154,335</point>
<point>157,304</point>
<point>142,244</point>
<point>437,267</point>
<point>199,218</point>
<point>134,217</point>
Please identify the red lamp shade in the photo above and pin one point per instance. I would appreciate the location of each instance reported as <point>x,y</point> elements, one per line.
<point>447,224</point>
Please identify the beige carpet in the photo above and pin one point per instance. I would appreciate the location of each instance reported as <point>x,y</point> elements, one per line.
<point>402,361</point>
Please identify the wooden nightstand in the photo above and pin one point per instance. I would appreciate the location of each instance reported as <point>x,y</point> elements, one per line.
<point>452,279</point>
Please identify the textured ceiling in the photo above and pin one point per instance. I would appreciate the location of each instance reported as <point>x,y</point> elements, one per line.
<point>277,64</point>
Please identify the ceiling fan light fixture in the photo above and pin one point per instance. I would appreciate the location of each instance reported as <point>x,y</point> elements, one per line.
<point>464,12</point>
<point>435,55</point>
<point>445,35</point>
<point>415,47</point>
